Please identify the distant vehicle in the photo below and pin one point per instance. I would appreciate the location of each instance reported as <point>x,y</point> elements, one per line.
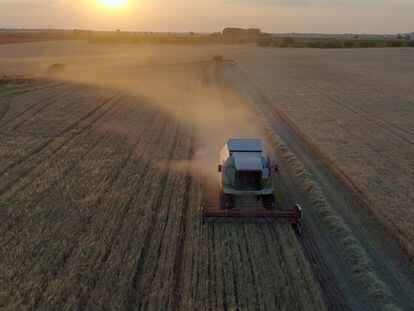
<point>218,58</point>
<point>246,186</point>
<point>56,68</point>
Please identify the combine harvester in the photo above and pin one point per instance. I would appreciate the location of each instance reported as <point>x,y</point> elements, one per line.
<point>246,187</point>
<point>218,58</point>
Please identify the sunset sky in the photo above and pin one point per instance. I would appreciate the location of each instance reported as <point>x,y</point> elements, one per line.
<point>320,16</point>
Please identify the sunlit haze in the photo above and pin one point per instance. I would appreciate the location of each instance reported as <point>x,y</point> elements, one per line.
<point>310,16</point>
<point>113,3</point>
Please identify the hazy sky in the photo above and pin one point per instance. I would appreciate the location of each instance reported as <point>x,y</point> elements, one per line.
<point>326,16</point>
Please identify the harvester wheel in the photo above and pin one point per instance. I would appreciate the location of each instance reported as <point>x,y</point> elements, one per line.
<point>268,201</point>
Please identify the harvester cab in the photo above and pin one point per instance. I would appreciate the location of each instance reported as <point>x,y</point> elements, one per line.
<point>246,186</point>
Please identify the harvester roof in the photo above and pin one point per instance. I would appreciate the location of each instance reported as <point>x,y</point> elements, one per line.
<point>245,145</point>
<point>248,161</point>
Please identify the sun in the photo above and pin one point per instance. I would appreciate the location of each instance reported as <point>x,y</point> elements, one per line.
<point>113,3</point>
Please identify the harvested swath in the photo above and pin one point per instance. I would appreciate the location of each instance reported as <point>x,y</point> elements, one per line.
<point>355,255</point>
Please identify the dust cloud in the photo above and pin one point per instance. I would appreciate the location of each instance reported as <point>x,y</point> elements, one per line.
<point>181,81</point>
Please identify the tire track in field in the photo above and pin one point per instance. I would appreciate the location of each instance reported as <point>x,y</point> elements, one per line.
<point>37,103</point>
<point>177,277</point>
<point>52,183</point>
<point>164,235</point>
<point>178,262</point>
<point>35,113</point>
<point>143,173</point>
<point>9,185</point>
<point>40,196</point>
<point>83,129</point>
<point>143,292</point>
<point>109,181</point>
<point>116,98</point>
<point>139,270</point>
<point>206,238</point>
<point>360,116</point>
<point>38,149</point>
<point>198,243</point>
<point>357,111</point>
<point>168,194</point>
<point>225,298</point>
<point>120,171</point>
<point>42,87</point>
<point>357,136</point>
<point>391,264</point>
<point>119,94</point>
<point>370,114</point>
<point>87,133</point>
<point>216,294</point>
<point>3,110</point>
<point>22,89</point>
<point>191,286</point>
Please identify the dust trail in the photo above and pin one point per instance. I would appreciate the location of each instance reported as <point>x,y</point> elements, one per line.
<point>195,95</point>
<point>183,82</point>
<point>219,115</point>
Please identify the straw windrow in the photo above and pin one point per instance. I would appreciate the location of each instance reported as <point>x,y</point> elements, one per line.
<point>354,254</point>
